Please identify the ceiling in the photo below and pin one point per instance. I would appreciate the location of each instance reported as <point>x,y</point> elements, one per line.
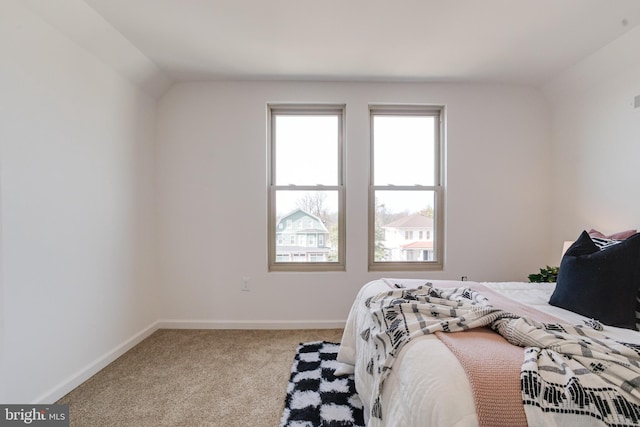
<point>514,41</point>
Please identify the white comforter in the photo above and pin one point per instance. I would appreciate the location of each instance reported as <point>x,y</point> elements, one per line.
<point>417,393</point>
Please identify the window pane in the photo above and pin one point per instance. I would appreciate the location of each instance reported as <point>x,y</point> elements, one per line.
<point>306,149</point>
<point>306,226</point>
<point>404,149</point>
<point>404,226</point>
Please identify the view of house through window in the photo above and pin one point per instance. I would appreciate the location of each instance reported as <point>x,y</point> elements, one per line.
<point>306,188</point>
<point>406,192</point>
<point>307,226</point>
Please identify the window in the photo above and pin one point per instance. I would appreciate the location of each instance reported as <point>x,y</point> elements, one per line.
<point>406,190</point>
<point>306,186</point>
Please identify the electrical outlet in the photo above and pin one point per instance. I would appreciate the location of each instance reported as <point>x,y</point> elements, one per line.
<point>245,284</point>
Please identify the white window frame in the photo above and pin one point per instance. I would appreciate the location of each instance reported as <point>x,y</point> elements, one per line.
<point>274,110</point>
<point>438,189</point>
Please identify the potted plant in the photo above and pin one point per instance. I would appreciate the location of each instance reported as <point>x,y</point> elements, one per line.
<point>548,274</point>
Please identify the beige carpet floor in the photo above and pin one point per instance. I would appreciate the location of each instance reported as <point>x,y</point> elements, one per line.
<point>179,377</point>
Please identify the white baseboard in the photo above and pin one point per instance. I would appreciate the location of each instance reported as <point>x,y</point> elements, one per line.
<point>250,324</point>
<point>91,369</point>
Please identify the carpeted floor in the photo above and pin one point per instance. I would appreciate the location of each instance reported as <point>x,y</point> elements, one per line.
<point>190,378</point>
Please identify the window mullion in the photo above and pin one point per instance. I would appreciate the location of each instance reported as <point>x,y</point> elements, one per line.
<point>307,187</point>
<point>406,187</point>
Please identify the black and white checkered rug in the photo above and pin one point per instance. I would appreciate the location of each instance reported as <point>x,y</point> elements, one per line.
<point>315,396</point>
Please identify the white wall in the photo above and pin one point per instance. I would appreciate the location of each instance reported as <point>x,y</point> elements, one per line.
<point>212,199</point>
<point>77,198</point>
<point>78,279</point>
<point>596,141</point>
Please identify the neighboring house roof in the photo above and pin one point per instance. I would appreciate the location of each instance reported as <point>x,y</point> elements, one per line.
<point>299,213</point>
<point>415,220</point>
<point>421,244</point>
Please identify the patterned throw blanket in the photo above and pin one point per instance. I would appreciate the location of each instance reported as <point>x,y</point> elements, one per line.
<point>570,374</point>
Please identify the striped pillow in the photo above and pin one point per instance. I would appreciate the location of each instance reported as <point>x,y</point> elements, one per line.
<point>602,243</point>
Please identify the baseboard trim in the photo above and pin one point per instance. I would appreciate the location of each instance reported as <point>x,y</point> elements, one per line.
<point>250,324</point>
<point>100,363</point>
<point>93,368</point>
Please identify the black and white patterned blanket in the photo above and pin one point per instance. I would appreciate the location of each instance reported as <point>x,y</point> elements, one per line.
<point>569,372</point>
<point>315,396</point>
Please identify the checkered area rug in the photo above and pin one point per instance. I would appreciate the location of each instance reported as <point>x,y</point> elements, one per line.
<point>315,396</point>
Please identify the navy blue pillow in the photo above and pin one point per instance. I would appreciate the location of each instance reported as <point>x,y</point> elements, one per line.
<point>600,283</point>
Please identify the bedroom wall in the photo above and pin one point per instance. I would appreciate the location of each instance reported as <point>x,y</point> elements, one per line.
<point>76,193</point>
<point>212,198</point>
<point>595,139</point>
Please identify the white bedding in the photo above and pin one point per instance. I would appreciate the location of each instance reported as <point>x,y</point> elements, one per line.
<point>416,394</point>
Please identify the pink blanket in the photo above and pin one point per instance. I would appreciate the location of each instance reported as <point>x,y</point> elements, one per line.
<point>493,365</point>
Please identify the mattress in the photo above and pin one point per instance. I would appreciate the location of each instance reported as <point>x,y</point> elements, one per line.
<point>417,393</point>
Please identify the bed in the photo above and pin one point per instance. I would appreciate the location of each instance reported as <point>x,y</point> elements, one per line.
<point>576,358</point>
<point>427,384</point>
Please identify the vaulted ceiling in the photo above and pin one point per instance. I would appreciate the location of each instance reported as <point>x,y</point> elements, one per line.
<point>514,41</point>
